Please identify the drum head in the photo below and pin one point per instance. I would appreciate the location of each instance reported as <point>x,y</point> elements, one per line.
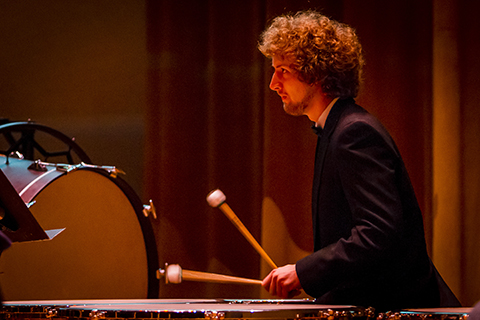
<point>100,254</point>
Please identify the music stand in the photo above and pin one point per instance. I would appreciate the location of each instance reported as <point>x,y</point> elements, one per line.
<point>18,222</point>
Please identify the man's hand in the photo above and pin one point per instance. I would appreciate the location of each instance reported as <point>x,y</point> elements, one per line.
<point>283,282</point>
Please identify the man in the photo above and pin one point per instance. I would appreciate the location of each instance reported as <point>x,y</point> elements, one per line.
<point>369,243</point>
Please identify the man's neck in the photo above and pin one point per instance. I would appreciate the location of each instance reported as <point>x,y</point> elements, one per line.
<point>319,103</point>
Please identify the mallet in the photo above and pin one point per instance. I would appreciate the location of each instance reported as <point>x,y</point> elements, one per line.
<point>217,199</point>
<point>173,273</point>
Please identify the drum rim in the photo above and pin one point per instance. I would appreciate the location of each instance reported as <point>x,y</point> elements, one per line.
<point>185,308</point>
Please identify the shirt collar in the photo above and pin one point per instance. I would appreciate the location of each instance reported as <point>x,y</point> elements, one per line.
<point>323,117</point>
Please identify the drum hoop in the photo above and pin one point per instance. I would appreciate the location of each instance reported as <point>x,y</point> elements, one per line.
<point>454,313</point>
<point>36,180</point>
<point>168,309</point>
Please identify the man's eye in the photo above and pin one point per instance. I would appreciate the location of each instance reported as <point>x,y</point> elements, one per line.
<point>284,70</point>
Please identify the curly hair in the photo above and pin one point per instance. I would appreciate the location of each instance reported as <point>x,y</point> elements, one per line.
<point>325,52</point>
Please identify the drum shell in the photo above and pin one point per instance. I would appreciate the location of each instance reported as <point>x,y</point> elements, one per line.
<point>106,251</point>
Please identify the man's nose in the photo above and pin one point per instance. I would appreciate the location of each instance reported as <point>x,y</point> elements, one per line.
<point>275,82</point>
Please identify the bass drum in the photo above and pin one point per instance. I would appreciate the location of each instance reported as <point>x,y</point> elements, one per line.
<point>107,250</point>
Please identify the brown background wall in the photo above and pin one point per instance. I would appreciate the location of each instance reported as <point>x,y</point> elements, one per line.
<point>176,94</point>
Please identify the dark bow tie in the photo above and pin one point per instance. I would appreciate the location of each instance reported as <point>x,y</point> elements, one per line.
<point>318,130</point>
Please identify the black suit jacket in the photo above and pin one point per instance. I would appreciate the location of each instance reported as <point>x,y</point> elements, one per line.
<point>369,243</point>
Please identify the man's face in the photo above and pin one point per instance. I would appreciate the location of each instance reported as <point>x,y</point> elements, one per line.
<point>296,95</point>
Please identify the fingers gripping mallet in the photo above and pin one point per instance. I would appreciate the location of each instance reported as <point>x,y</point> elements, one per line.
<point>217,199</point>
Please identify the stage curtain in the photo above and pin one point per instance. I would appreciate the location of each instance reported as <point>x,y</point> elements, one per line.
<point>205,131</point>
<point>456,147</point>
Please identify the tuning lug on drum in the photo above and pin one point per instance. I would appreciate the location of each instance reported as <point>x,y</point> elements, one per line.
<point>96,314</point>
<point>50,312</point>
<point>149,209</point>
<point>214,315</point>
<point>37,165</point>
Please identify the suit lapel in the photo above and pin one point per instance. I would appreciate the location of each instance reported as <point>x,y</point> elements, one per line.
<point>322,145</point>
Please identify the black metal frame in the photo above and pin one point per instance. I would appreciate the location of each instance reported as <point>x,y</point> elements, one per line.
<point>27,144</point>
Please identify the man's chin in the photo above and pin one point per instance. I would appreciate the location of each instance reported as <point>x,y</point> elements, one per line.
<point>292,110</point>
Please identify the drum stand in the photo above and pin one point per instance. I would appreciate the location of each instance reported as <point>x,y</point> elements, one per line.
<point>16,220</point>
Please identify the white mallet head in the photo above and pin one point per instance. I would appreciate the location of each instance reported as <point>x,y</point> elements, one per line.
<point>216,198</point>
<point>173,273</point>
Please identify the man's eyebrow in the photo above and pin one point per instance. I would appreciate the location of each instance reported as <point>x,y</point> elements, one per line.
<point>282,65</point>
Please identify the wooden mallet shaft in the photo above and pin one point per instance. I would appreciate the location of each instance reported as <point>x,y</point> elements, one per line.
<point>217,199</point>
<point>175,274</point>
<point>214,277</point>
